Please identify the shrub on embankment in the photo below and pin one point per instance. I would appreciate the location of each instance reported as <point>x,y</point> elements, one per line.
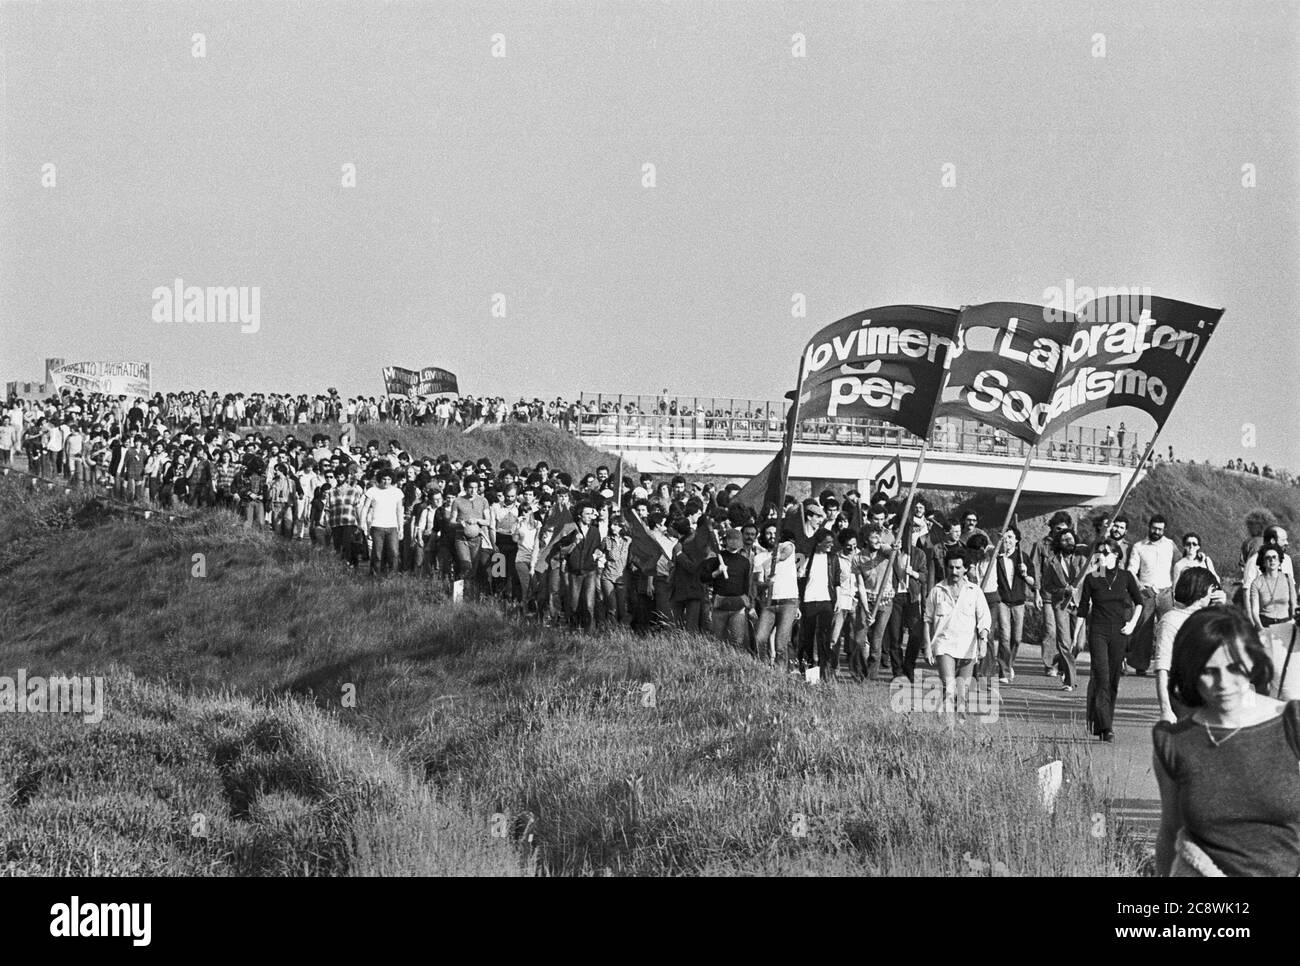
<point>538,735</point>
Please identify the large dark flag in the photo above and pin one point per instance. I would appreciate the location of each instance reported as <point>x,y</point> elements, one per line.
<point>1127,350</point>
<point>558,525</point>
<point>765,487</point>
<point>1004,367</point>
<point>885,363</point>
<point>645,550</point>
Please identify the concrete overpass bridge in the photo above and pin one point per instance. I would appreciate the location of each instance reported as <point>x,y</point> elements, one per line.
<point>1079,466</point>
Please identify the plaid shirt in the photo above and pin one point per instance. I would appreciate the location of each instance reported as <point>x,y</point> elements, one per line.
<point>223,476</point>
<point>345,505</point>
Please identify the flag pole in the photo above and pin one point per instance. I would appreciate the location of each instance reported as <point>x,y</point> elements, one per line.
<point>791,428</point>
<point>1011,512</point>
<point>1137,471</point>
<point>898,538</point>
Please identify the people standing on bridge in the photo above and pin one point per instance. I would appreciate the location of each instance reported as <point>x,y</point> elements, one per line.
<point>957,630</point>
<point>1111,604</point>
<point>1151,561</point>
<point>1228,771</point>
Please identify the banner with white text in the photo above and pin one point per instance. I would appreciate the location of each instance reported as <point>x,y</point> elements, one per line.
<point>130,379</point>
<point>1136,352</point>
<point>885,363</point>
<point>1003,369</point>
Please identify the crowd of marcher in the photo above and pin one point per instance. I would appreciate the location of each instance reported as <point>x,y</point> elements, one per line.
<point>803,585</point>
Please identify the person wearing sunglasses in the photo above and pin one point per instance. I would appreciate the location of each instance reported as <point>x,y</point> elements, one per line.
<point>1272,597</point>
<point>1193,556</point>
<point>1112,604</point>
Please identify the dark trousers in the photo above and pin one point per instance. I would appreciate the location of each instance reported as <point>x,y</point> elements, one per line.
<point>1106,645</point>
<point>815,633</point>
<point>345,543</point>
<point>905,616</point>
<point>687,614</point>
<point>1142,641</point>
<point>582,597</point>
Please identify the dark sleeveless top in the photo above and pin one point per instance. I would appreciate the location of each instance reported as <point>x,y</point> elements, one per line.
<point>1240,801</point>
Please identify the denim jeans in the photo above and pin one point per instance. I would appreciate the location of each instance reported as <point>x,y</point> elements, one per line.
<point>777,616</point>
<point>384,549</point>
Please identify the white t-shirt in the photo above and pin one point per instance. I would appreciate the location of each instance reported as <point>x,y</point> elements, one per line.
<point>387,504</point>
<point>818,585</point>
<point>1166,630</point>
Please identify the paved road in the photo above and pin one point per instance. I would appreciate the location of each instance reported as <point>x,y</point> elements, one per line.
<point>1033,706</point>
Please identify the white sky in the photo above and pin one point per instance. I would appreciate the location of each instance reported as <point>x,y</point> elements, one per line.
<point>522,175</point>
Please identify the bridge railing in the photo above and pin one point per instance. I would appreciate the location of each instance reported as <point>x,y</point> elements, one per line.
<point>705,419</point>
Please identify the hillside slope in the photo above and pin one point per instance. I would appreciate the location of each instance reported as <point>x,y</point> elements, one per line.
<point>661,755</point>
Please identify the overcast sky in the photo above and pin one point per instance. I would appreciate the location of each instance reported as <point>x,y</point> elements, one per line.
<point>523,175</point>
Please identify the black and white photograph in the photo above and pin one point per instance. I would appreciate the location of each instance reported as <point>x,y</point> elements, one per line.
<point>637,439</point>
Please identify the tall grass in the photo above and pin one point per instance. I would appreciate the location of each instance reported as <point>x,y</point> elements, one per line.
<point>169,784</point>
<point>540,735</point>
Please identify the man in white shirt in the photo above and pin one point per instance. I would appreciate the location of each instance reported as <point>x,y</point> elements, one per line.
<point>1151,561</point>
<point>819,578</point>
<point>382,516</point>
<point>957,625</point>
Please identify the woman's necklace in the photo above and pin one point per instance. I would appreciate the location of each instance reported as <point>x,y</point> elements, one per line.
<point>1210,735</point>
<point>1110,584</point>
<point>1272,588</point>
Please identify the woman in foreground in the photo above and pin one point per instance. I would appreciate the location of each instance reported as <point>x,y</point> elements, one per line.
<point>1229,772</point>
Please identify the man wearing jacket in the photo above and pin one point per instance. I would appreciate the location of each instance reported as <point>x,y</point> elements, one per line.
<point>583,561</point>
<point>1040,559</point>
<point>1015,582</point>
<point>819,576</point>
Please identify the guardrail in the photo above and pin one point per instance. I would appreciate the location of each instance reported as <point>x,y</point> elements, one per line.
<point>765,422</point>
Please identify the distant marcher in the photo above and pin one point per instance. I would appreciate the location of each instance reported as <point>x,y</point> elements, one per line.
<point>1111,603</point>
<point>1271,598</point>
<point>1228,771</point>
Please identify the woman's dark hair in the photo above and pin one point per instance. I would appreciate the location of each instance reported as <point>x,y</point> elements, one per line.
<point>978,543</point>
<point>1193,584</point>
<point>845,535</point>
<point>1204,633</point>
<point>1013,529</point>
<point>1057,541</point>
<point>1113,545</point>
<point>1259,557</point>
<point>654,518</point>
<point>1192,535</point>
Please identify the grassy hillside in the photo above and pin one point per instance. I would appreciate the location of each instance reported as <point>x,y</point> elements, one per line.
<point>525,443</point>
<point>1214,503</point>
<point>548,737</point>
<point>173,785</point>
